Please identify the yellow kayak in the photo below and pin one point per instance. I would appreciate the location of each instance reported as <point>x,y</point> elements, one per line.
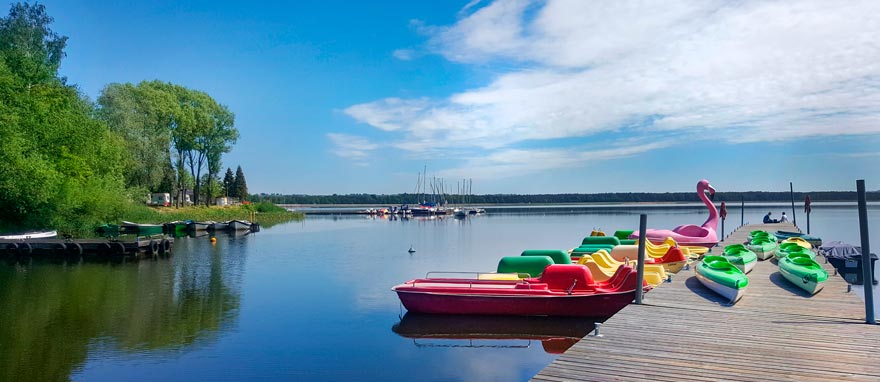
<point>799,241</point>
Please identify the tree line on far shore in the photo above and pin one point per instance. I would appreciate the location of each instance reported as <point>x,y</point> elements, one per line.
<point>617,197</point>
<point>68,161</point>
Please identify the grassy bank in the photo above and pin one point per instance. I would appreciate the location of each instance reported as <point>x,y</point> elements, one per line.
<point>267,214</point>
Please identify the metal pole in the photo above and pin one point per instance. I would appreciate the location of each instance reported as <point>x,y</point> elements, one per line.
<point>640,264</point>
<point>793,217</point>
<point>867,269</point>
<point>742,220</point>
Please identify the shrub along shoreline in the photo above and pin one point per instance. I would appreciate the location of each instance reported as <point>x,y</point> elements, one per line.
<point>267,214</point>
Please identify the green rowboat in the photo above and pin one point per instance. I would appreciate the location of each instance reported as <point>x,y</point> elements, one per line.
<point>741,257</point>
<point>804,272</point>
<point>764,247</point>
<point>722,277</point>
<point>786,249</point>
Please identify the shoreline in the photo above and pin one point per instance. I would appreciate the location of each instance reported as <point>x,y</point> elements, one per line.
<point>731,204</point>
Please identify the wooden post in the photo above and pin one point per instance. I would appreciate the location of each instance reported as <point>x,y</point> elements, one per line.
<point>793,217</point>
<point>867,269</point>
<point>723,213</point>
<point>640,264</point>
<point>807,210</point>
<point>742,212</point>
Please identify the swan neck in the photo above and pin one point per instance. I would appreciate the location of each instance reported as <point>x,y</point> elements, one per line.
<point>712,221</point>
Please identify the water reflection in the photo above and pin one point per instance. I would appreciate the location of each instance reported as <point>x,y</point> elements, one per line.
<point>556,334</point>
<point>51,314</point>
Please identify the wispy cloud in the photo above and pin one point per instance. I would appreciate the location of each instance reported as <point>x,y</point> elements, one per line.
<point>518,162</point>
<point>737,71</point>
<point>403,54</point>
<point>352,147</point>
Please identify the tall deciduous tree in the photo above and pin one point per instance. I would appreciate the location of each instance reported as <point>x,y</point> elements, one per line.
<point>31,50</point>
<point>217,141</point>
<point>130,111</point>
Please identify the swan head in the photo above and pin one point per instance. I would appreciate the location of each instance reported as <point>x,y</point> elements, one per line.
<point>703,186</point>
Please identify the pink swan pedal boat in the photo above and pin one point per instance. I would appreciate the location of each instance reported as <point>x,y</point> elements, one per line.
<point>562,290</point>
<point>697,235</point>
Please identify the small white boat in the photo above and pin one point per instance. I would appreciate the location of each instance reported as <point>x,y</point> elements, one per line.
<point>30,235</point>
<point>239,225</point>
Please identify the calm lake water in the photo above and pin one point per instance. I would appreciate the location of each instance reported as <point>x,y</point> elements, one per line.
<point>310,301</point>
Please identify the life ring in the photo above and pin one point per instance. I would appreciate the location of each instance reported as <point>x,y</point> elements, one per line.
<point>25,248</point>
<point>154,247</point>
<point>74,249</point>
<point>105,248</point>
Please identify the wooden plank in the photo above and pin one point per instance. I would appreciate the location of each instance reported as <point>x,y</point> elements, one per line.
<point>674,336</point>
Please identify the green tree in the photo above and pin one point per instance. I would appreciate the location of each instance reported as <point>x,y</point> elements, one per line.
<point>240,185</point>
<point>130,112</point>
<point>58,165</point>
<point>31,50</point>
<point>217,141</point>
<point>228,181</point>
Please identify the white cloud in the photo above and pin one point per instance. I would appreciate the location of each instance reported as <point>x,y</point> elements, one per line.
<point>352,147</point>
<point>737,71</point>
<point>404,54</point>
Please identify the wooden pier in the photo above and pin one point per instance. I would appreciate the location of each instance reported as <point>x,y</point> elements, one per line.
<point>72,250</point>
<point>685,332</point>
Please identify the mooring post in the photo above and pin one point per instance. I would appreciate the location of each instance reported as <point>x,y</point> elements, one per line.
<point>867,269</point>
<point>723,213</point>
<point>791,192</point>
<point>742,211</point>
<point>807,210</point>
<point>640,264</point>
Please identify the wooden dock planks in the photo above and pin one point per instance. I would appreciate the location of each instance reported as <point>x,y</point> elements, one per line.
<point>775,333</point>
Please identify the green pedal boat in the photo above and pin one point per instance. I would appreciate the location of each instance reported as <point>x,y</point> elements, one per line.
<point>801,270</point>
<point>722,277</point>
<point>741,257</point>
<point>763,246</point>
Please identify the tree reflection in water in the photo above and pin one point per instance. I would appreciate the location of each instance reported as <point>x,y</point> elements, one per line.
<point>50,314</point>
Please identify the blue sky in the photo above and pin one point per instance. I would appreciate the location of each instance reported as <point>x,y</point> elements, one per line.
<point>522,97</point>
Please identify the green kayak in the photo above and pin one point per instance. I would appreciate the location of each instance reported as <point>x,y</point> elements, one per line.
<point>803,271</point>
<point>741,257</point>
<point>722,277</point>
<point>764,247</point>
<point>786,249</point>
<point>760,233</point>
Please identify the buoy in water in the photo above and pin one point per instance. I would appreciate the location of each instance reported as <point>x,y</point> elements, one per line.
<point>213,240</point>
<point>411,250</point>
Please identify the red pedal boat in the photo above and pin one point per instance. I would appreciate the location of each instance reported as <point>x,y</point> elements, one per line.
<point>562,290</point>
